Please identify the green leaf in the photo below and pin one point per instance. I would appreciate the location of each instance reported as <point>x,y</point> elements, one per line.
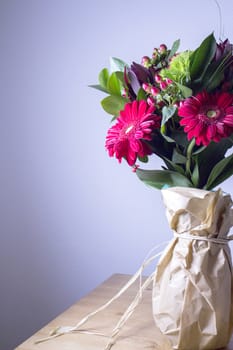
<point>220,172</point>
<point>174,48</point>
<point>209,157</point>
<point>215,72</point>
<point>199,150</point>
<point>173,166</point>
<point>141,95</point>
<point>180,137</point>
<point>159,178</point>
<point>167,113</point>
<point>98,87</point>
<point>117,65</point>
<point>186,91</point>
<point>178,157</point>
<point>113,104</point>
<point>114,85</point>
<point>163,133</point>
<point>103,78</point>
<point>160,146</point>
<point>195,175</point>
<point>202,56</point>
<point>120,76</point>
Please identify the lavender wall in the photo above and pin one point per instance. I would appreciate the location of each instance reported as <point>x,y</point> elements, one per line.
<point>69,215</point>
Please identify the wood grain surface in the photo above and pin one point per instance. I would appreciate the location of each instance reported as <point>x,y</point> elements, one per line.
<point>138,333</point>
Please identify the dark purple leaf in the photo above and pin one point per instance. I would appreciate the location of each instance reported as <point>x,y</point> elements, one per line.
<point>134,82</point>
<point>142,73</point>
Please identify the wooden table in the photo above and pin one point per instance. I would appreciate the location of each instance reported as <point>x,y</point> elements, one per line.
<point>138,333</point>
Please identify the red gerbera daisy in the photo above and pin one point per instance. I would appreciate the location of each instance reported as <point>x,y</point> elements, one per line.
<point>134,124</point>
<point>207,117</point>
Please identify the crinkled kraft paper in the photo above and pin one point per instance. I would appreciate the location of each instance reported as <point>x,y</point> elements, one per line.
<point>193,289</point>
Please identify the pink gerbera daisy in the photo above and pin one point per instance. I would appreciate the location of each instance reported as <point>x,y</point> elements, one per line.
<point>134,124</point>
<point>207,117</point>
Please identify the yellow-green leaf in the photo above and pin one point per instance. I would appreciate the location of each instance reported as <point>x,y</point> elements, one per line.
<point>113,104</point>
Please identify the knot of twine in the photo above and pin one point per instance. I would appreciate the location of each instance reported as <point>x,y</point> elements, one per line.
<point>217,240</point>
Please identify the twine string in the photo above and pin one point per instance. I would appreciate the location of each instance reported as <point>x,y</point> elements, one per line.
<point>130,310</point>
<point>137,299</point>
<point>69,329</point>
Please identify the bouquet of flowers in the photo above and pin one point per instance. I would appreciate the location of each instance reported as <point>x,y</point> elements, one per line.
<point>178,106</point>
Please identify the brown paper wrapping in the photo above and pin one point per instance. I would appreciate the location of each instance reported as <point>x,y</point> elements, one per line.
<point>193,288</point>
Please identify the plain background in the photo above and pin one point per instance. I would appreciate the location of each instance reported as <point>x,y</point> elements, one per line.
<point>70,216</point>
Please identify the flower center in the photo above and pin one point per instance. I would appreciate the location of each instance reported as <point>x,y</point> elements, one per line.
<point>129,129</point>
<point>211,113</point>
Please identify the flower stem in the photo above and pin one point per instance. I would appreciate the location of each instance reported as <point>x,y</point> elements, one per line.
<point>189,157</point>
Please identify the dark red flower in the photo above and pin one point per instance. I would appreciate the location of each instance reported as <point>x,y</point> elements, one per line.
<point>134,124</point>
<point>207,117</point>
